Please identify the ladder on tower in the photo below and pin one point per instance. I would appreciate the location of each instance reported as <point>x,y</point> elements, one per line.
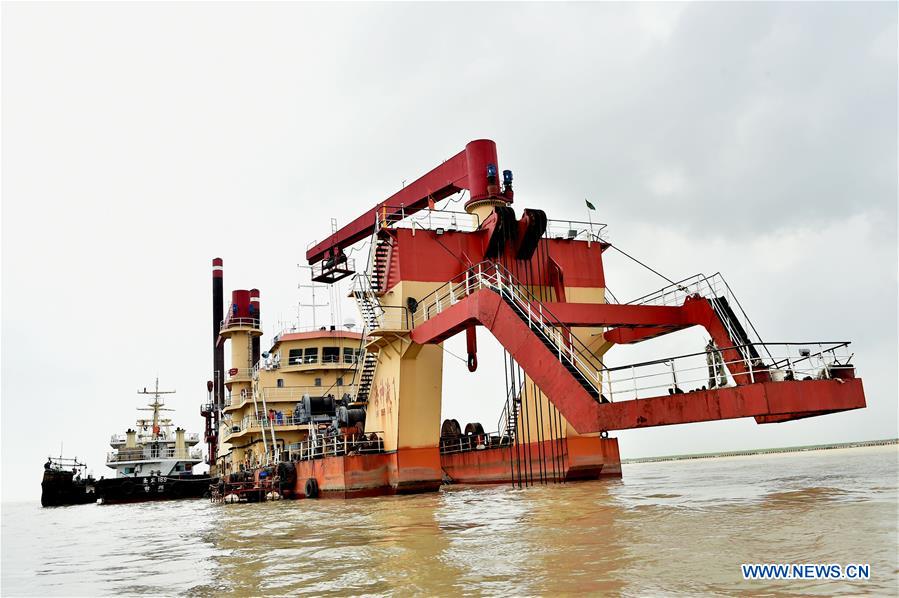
<point>365,295</point>
<point>369,363</point>
<point>379,264</point>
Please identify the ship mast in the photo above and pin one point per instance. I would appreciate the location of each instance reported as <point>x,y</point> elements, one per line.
<point>156,406</point>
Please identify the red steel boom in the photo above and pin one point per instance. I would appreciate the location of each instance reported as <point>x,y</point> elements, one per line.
<point>464,171</point>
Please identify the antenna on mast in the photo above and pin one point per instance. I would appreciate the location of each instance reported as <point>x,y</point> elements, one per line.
<point>156,406</point>
<point>313,305</point>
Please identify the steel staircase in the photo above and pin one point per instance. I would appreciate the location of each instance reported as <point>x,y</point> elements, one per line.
<point>558,338</point>
<point>735,329</point>
<point>370,310</point>
<point>369,364</point>
<point>508,419</point>
<point>379,265</point>
<point>550,342</point>
<point>365,293</point>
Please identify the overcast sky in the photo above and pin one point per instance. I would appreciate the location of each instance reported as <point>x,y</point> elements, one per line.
<point>141,140</point>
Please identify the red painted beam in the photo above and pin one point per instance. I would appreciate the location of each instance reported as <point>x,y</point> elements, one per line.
<point>770,401</point>
<point>630,336</point>
<point>613,314</point>
<point>465,170</point>
<point>767,401</point>
<point>779,419</point>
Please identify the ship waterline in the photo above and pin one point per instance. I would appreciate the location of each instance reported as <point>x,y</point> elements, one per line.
<point>664,528</point>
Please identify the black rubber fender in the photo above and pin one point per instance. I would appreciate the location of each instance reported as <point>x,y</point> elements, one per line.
<point>450,429</point>
<point>287,473</point>
<point>311,489</point>
<point>474,429</point>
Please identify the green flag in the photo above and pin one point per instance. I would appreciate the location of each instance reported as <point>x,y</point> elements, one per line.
<point>589,205</point>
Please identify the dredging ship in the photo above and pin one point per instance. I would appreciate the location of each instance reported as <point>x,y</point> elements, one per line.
<point>153,462</point>
<point>336,413</point>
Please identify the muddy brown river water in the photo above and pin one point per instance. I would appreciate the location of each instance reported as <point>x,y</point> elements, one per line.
<point>667,528</point>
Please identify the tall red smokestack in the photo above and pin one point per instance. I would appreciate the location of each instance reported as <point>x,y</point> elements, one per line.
<point>257,314</point>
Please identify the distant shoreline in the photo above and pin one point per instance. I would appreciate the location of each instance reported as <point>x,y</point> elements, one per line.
<point>768,451</point>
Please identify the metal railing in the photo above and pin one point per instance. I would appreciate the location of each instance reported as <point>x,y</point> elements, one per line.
<point>709,287</point>
<point>295,393</point>
<point>235,373</point>
<point>148,437</point>
<point>337,445</point>
<point>492,276</point>
<point>474,442</point>
<point>229,323</point>
<point>376,315</point>
<point>575,230</point>
<point>427,219</point>
<point>302,329</point>
<point>151,454</point>
<point>238,400</point>
<point>254,423</point>
<point>676,293</point>
<point>708,370</point>
<point>280,394</point>
<point>393,317</point>
<point>272,364</point>
<point>341,265</point>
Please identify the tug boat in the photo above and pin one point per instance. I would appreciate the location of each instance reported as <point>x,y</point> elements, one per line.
<point>64,483</point>
<point>151,461</point>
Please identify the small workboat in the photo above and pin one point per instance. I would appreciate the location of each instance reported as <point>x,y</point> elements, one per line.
<point>65,483</point>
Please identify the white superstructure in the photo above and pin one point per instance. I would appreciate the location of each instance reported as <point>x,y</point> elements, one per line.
<point>153,448</point>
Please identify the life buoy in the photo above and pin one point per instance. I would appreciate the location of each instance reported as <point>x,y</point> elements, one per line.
<point>311,489</point>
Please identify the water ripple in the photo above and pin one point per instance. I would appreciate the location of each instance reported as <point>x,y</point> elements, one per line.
<point>666,528</point>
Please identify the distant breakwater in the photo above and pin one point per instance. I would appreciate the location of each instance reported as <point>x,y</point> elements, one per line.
<point>767,451</point>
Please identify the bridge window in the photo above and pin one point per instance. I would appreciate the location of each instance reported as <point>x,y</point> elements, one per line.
<point>349,355</point>
<point>295,357</point>
<point>331,355</point>
<point>310,355</point>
